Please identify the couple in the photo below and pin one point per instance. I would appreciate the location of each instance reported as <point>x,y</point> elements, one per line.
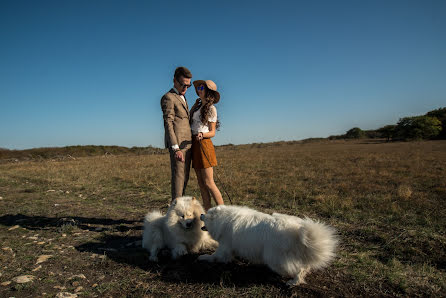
<point>188,135</point>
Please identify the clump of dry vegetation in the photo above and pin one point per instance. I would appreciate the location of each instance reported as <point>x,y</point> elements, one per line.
<point>386,200</point>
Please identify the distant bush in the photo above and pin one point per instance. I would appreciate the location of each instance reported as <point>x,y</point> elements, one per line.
<point>430,126</point>
<point>417,128</point>
<point>440,114</point>
<point>355,133</point>
<point>76,151</point>
<point>387,132</point>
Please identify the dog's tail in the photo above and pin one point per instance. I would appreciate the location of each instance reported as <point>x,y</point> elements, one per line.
<point>152,232</point>
<point>152,216</point>
<point>319,242</point>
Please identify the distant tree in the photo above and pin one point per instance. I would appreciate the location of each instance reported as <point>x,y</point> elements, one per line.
<point>419,127</point>
<point>355,133</point>
<point>387,132</point>
<point>440,114</point>
<point>372,134</point>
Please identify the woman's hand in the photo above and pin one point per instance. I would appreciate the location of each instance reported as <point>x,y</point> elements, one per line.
<point>199,136</point>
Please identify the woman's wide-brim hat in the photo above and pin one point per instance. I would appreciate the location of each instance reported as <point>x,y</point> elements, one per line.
<point>210,85</point>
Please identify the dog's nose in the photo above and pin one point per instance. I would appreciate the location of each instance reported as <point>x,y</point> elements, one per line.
<point>202,217</point>
<point>188,224</point>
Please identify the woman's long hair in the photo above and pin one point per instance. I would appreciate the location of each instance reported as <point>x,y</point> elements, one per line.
<point>206,108</point>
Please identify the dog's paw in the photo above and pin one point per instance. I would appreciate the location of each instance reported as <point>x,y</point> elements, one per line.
<point>295,282</point>
<point>178,252</point>
<point>206,258</point>
<point>153,258</point>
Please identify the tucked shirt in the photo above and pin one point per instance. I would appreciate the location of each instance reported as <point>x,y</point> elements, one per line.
<point>197,126</point>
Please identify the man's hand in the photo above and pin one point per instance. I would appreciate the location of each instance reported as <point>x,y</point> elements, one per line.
<point>179,156</point>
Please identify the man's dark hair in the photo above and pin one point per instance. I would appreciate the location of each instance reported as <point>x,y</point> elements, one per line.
<point>182,71</point>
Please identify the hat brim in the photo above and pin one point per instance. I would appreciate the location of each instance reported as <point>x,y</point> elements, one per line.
<point>202,82</point>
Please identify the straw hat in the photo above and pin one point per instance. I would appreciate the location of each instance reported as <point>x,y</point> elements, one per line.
<point>210,85</point>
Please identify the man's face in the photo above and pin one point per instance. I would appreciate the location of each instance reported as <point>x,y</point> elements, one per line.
<point>181,84</point>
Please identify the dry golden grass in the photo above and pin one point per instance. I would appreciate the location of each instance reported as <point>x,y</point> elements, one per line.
<point>386,200</point>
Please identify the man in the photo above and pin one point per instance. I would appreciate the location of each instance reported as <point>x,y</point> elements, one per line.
<point>177,133</point>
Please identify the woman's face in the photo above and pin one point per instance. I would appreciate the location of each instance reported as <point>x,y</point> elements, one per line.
<point>201,91</point>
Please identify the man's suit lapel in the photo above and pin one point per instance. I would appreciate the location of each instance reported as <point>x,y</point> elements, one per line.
<point>183,102</point>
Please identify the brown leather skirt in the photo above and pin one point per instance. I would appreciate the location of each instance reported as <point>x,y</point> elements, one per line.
<point>203,154</point>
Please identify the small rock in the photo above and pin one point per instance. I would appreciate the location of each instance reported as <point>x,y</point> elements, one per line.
<point>23,279</point>
<point>6,283</point>
<point>43,258</point>
<point>94,286</point>
<point>14,227</point>
<point>75,283</point>
<point>66,295</point>
<point>64,235</point>
<point>1,198</point>
<point>67,192</point>
<point>80,276</point>
<point>78,289</point>
<point>55,205</point>
<point>8,249</point>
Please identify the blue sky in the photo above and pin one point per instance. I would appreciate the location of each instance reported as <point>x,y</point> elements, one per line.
<point>93,72</point>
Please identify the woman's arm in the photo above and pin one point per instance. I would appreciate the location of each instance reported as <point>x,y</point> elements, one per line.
<point>211,132</point>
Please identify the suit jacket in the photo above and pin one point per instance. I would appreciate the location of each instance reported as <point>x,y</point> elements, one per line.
<point>176,121</point>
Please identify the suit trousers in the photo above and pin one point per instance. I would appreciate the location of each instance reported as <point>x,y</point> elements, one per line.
<point>179,172</point>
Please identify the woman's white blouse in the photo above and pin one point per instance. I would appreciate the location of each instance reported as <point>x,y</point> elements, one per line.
<point>197,126</point>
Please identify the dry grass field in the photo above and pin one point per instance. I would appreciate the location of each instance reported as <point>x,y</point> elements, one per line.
<point>73,225</point>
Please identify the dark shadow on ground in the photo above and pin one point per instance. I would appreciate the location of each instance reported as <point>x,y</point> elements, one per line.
<point>121,243</point>
<point>84,223</point>
<point>188,269</point>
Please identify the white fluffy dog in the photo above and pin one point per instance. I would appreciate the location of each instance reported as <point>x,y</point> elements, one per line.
<point>289,245</point>
<point>179,230</point>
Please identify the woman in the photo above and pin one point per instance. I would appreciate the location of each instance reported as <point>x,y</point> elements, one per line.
<point>203,125</point>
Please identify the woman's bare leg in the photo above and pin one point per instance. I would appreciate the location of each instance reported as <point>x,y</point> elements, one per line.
<point>203,190</point>
<point>208,179</point>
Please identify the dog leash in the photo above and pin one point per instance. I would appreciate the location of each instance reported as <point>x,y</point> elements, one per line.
<point>216,174</point>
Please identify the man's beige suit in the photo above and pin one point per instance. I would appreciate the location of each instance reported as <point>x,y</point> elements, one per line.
<point>177,131</point>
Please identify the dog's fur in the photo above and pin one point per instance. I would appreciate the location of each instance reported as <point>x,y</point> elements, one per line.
<point>289,245</point>
<point>179,230</point>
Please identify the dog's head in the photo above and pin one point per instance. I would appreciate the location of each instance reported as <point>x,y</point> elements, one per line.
<point>209,219</point>
<point>186,211</point>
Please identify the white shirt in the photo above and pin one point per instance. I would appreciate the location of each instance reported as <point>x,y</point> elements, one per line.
<point>197,126</point>
<point>182,96</point>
